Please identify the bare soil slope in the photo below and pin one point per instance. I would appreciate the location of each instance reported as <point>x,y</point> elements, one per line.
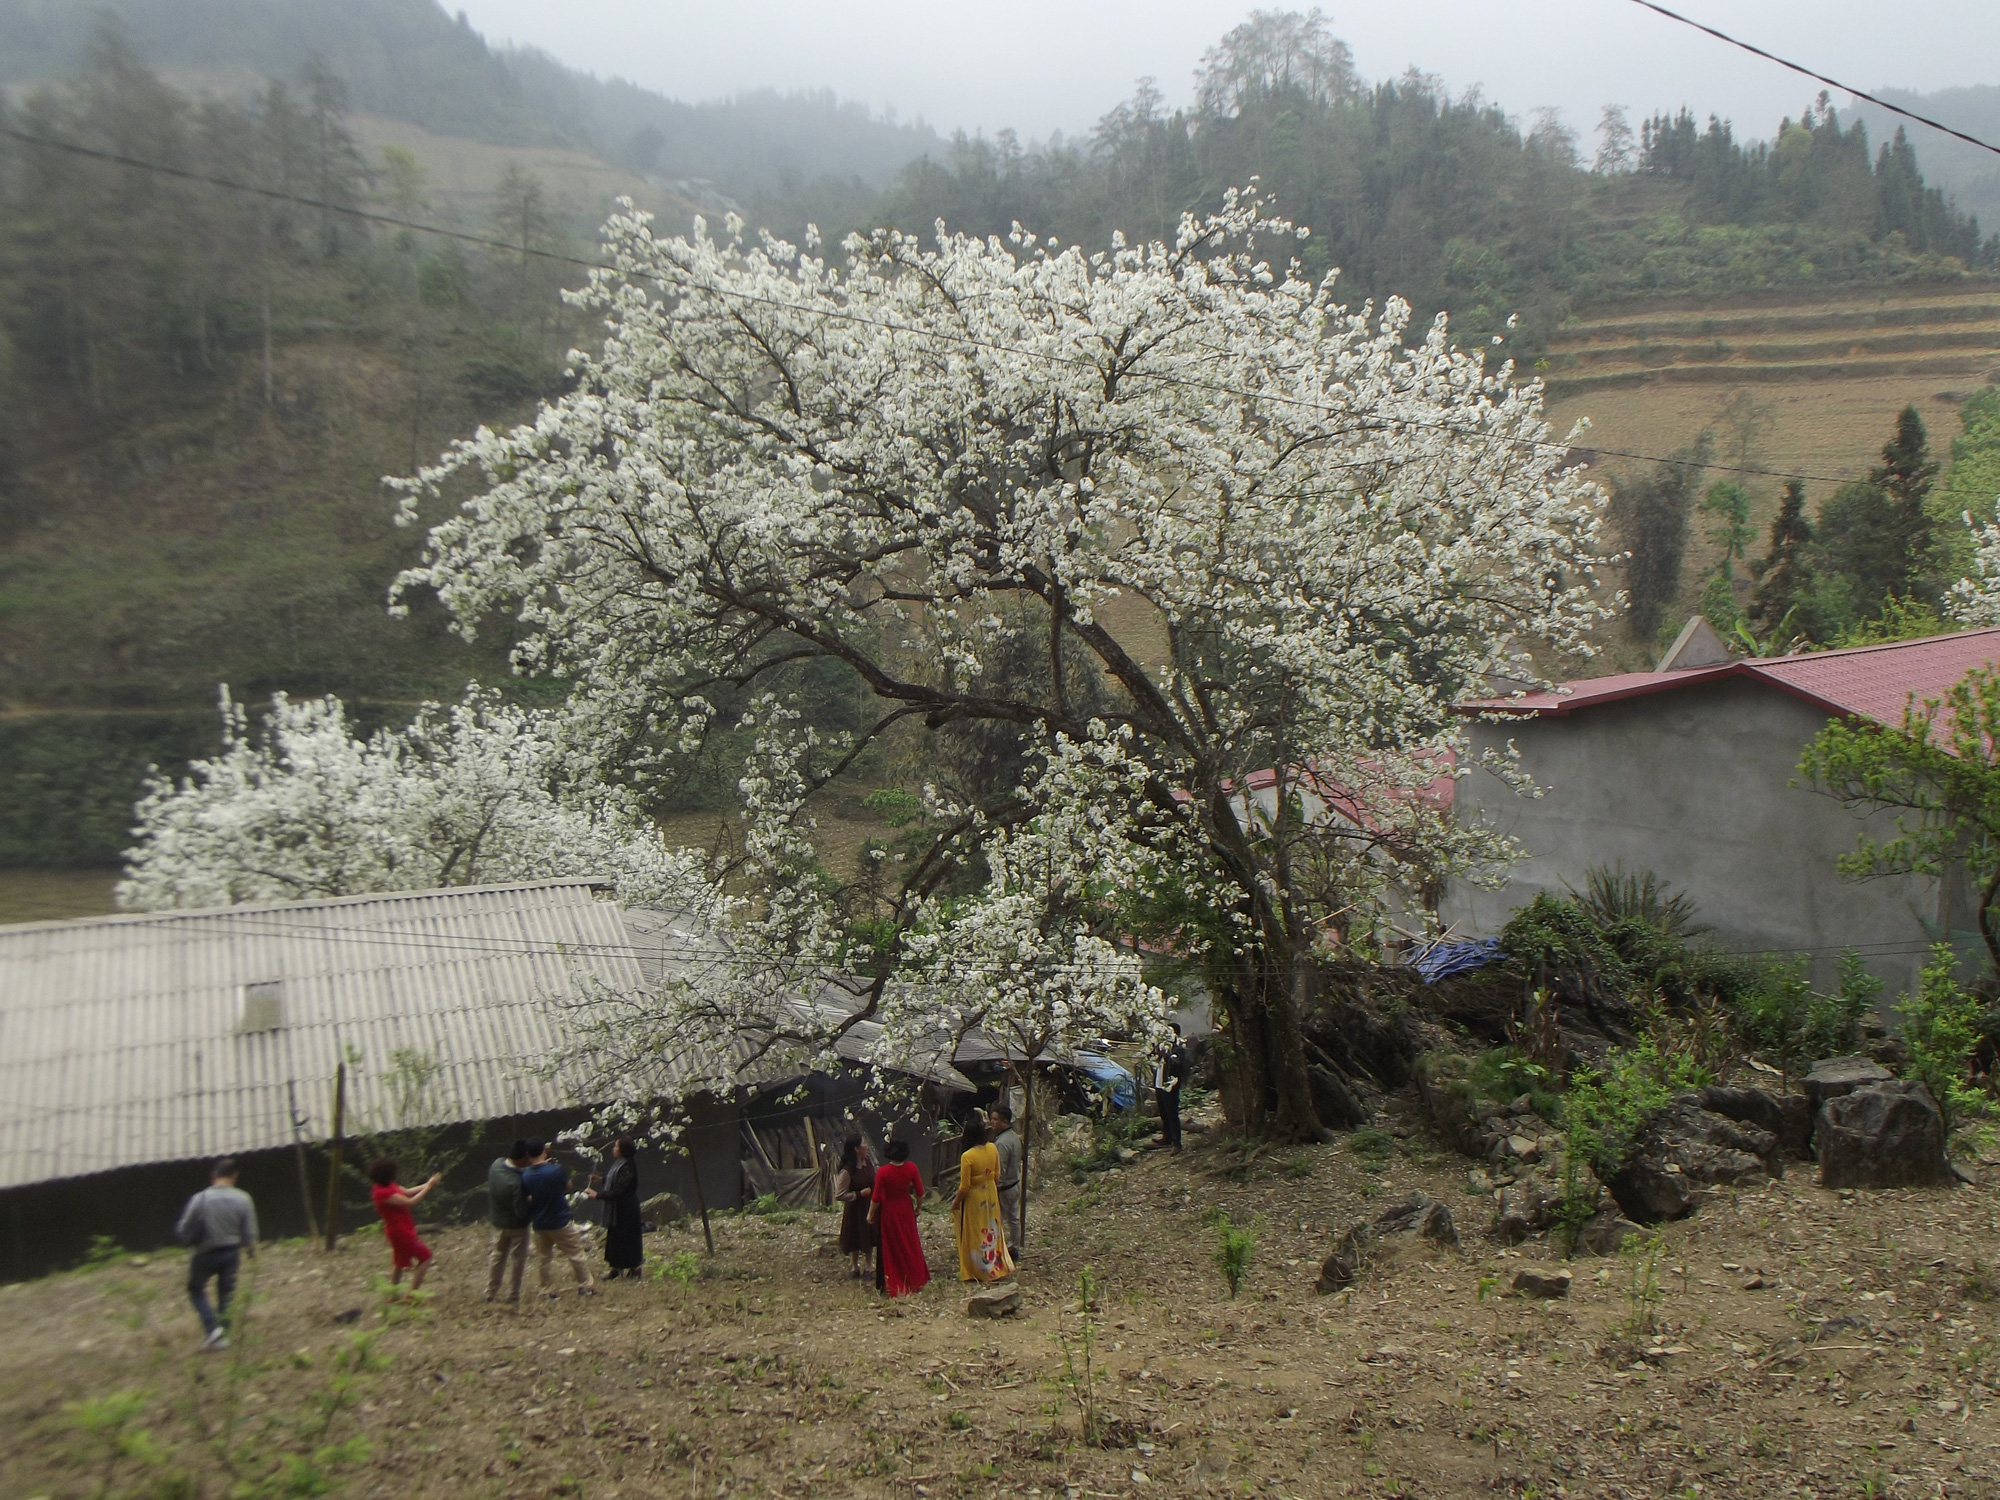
<point>1807,1343</point>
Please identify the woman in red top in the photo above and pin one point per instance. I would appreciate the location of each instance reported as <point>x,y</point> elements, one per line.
<point>900,1264</point>
<point>393,1203</point>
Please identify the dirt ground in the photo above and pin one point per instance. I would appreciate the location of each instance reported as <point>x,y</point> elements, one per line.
<point>1808,1343</point>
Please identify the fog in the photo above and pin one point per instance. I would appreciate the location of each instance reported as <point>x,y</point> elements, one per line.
<point>1038,66</point>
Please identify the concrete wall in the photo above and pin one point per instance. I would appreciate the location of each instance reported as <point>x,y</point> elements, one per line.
<point>1693,784</point>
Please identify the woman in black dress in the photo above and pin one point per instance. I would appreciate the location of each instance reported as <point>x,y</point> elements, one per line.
<point>624,1237</point>
<point>853,1187</point>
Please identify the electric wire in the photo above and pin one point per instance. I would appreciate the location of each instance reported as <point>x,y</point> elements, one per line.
<point>847,315</point>
<point>1846,88</point>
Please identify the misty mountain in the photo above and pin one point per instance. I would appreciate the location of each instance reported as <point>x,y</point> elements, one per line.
<point>410,60</point>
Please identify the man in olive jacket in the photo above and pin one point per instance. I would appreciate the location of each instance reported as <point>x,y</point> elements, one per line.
<point>507,1212</point>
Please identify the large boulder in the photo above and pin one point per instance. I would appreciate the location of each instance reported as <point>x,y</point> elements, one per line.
<point>1884,1135</point>
<point>1832,1077</point>
<point>1683,1150</point>
<point>1789,1117</point>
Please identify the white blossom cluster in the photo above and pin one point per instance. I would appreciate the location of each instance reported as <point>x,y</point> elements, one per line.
<point>474,794</point>
<point>1284,538</point>
<point>1975,599</point>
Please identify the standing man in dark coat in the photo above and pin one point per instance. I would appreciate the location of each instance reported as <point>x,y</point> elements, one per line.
<point>1168,1076</point>
<point>507,1212</point>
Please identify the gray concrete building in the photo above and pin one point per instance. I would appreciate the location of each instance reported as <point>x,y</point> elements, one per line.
<point>1690,772</point>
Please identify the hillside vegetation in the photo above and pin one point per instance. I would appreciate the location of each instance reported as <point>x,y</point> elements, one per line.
<point>209,387</point>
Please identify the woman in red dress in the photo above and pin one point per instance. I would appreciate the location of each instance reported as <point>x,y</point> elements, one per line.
<point>393,1202</point>
<point>901,1267</point>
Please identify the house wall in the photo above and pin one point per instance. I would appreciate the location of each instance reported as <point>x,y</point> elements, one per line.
<point>1693,784</point>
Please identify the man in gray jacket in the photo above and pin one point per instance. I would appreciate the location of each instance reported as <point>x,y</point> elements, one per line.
<point>219,1225</point>
<point>1008,1144</point>
<point>507,1212</point>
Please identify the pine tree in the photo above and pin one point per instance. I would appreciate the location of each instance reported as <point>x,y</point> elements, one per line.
<point>1905,477</point>
<point>1784,575</point>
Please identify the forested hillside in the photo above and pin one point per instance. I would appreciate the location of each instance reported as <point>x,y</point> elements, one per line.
<point>1449,203</point>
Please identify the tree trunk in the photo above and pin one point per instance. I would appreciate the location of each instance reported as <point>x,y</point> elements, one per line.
<point>1269,1051</point>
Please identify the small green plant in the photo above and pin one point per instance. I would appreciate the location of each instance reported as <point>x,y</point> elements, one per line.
<point>1941,1028</point>
<point>682,1268</point>
<point>1643,1294</point>
<point>1832,1023</point>
<point>1371,1140</point>
<point>1232,1252</point>
<point>113,1421</point>
<point>957,1421</point>
<point>1079,1366</point>
<point>104,1251</point>
<point>1615,895</point>
<point>764,1204</point>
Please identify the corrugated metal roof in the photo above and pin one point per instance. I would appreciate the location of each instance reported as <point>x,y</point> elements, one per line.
<point>120,1042</point>
<point>1874,682</point>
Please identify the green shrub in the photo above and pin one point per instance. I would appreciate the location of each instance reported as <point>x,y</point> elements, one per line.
<point>1232,1252</point>
<point>1783,1017</point>
<point>1607,1107</point>
<point>1941,1027</point>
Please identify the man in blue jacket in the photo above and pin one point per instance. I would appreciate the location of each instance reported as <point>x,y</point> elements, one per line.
<point>545,1186</point>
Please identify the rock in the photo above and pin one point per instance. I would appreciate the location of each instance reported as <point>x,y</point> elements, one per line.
<point>1478,1181</point>
<point>1833,1076</point>
<point>999,1301</point>
<point>1604,1232</point>
<point>1524,1148</point>
<point>827,1247</point>
<point>1437,1226</point>
<point>1401,1216</point>
<point>1548,1285</point>
<point>1517,1213</point>
<point>1787,1116</point>
<point>1441,1084</point>
<point>1338,1271</point>
<point>663,1208</point>
<point>1683,1150</point>
<point>1882,1135</point>
<point>1334,1101</point>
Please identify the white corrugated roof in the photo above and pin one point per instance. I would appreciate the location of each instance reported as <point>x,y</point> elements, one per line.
<point>120,1039</point>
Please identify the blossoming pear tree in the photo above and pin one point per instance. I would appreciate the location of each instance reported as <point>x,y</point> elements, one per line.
<point>1166,512</point>
<point>473,794</point>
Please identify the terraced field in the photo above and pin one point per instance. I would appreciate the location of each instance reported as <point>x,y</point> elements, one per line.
<point>1796,387</point>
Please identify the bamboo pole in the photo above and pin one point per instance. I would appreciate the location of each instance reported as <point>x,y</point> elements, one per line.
<point>299,1155</point>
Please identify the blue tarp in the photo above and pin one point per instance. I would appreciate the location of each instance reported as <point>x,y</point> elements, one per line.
<point>1118,1085</point>
<point>1442,960</point>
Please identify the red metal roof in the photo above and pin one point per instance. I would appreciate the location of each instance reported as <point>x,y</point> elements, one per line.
<point>1875,682</point>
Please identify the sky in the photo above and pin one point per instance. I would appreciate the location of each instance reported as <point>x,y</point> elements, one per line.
<point>1043,65</point>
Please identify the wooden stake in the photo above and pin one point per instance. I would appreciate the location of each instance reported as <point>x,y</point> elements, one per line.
<point>333,1161</point>
<point>700,1199</point>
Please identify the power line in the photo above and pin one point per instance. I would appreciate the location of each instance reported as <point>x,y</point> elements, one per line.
<point>847,315</point>
<point>1845,88</point>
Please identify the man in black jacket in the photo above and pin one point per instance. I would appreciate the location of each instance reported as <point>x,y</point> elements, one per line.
<point>1167,1077</point>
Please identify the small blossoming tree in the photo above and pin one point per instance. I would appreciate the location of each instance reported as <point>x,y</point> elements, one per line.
<point>1165,514</point>
<point>474,794</point>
